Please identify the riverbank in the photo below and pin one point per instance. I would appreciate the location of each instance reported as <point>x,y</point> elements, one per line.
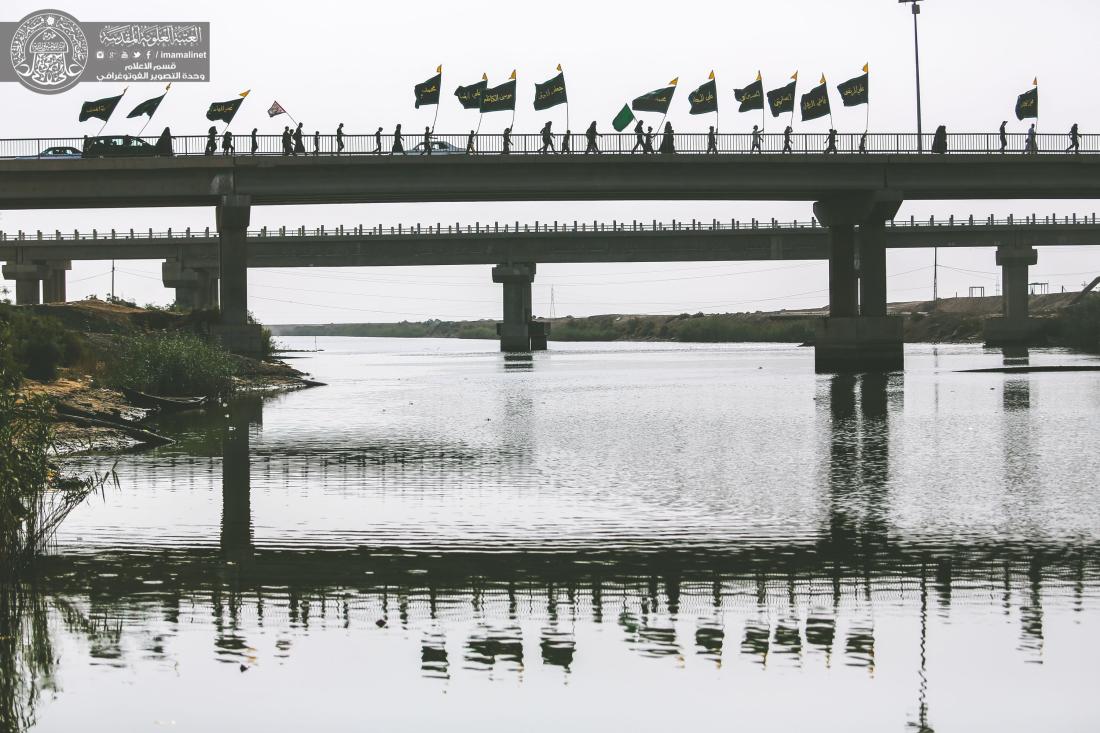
<point>948,320</point>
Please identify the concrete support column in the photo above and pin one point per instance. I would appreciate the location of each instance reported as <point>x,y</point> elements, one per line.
<point>872,268</point>
<point>515,330</point>
<point>53,285</point>
<point>1015,327</point>
<point>196,287</point>
<point>843,293</point>
<point>28,281</point>
<point>234,331</point>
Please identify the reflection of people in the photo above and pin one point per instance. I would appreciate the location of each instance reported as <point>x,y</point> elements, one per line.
<point>427,149</point>
<point>506,143</point>
<point>668,144</point>
<point>398,145</point>
<point>830,146</point>
<point>591,134</point>
<point>1074,140</point>
<point>547,139</point>
<point>712,141</point>
<point>211,140</point>
<point>787,139</point>
<point>288,146</point>
<point>299,146</point>
<point>565,142</point>
<point>639,138</point>
<point>227,143</point>
<point>471,143</point>
<point>1031,147</point>
<point>1004,136</point>
<point>648,147</point>
<point>756,140</point>
<point>340,138</point>
<point>378,141</point>
<point>164,144</point>
<point>939,140</point>
<point>255,142</point>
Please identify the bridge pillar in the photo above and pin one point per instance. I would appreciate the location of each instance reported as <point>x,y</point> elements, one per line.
<point>858,335</point>
<point>53,284</point>
<point>234,331</point>
<point>28,278</point>
<point>196,287</point>
<point>1014,327</point>
<point>515,328</point>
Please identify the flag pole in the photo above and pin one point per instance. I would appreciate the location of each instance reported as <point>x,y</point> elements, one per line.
<point>104,125</point>
<point>166,90</point>
<point>435,118</point>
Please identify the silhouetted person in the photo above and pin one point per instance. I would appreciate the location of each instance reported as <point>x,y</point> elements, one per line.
<point>830,145</point>
<point>85,148</point>
<point>1032,146</point>
<point>547,139</point>
<point>668,142</point>
<point>591,135</point>
<point>227,143</point>
<point>340,138</point>
<point>565,145</point>
<point>427,141</point>
<point>648,147</point>
<point>471,143</point>
<point>378,141</point>
<point>757,140</point>
<point>639,138</point>
<point>288,144</point>
<point>1074,139</point>
<point>1004,137</point>
<point>255,142</point>
<point>787,139</point>
<point>211,140</point>
<point>506,142</point>
<point>299,146</point>
<point>316,142</point>
<point>863,142</point>
<point>712,141</point>
<point>398,143</point>
<point>164,144</point>
<point>939,140</point>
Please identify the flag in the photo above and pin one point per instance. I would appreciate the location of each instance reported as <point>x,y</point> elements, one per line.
<point>782,99</point>
<point>427,92</point>
<point>500,98</point>
<point>854,91</point>
<point>224,111</point>
<point>623,119</point>
<point>1027,104</point>
<point>705,98</point>
<point>815,103</point>
<point>551,92</point>
<point>148,107</point>
<point>752,96</point>
<point>275,110</point>
<point>470,96</point>
<point>656,101</point>
<point>100,108</point>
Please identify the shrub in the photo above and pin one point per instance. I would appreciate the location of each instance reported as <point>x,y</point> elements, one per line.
<point>171,364</point>
<point>39,344</point>
<point>1079,325</point>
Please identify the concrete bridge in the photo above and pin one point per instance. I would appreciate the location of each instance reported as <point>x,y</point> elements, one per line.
<point>854,196</point>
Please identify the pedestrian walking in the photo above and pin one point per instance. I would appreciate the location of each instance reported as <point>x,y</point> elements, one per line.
<point>227,143</point>
<point>211,140</point>
<point>757,140</point>
<point>712,141</point>
<point>471,143</point>
<point>565,147</point>
<point>340,138</point>
<point>830,146</point>
<point>316,143</point>
<point>398,144</point>
<point>1074,140</point>
<point>378,141</point>
<point>787,139</point>
<point>299,146</point>
<point>1004,136</point>
<point>939,140</point>
<point>863,142</point>
<point>648,147</point>
<point>288,145</point>
<point>427,150</point>
<point>255,142</point>
<point>639,138</point>
<point>506,142</point>
<point>591,136</point>
<point>668,142</point>
<point>547,139</point>
<point>1031,147</point>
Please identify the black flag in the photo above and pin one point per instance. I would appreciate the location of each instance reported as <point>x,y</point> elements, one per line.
<point>470,96</point>
<point>704,99</point>
<point>551,93</point>
<point>815,103</point>
<point>781,100</point>
<point>499,98</point>
<point>224,111</point>
<point>655,101</point>
<point>427,92</point>
<point>148,107</point>
<point>854,91</point>
<point>100,108</point>
<point>751,97</point>
<point>1027,104</point>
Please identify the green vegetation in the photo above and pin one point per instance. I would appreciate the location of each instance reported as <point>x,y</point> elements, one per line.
<point>404,329</point>
<point>171,364</point>
<point>1078,326</point>
<point>39,345</point>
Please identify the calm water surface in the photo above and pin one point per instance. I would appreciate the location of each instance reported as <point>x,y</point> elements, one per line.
<point>604,537</point>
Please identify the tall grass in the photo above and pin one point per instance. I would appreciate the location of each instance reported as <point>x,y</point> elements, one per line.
<point>172,364</point>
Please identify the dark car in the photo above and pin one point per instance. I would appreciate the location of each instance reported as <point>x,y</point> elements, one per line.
<point>118,146</point>
<point>55,153</point>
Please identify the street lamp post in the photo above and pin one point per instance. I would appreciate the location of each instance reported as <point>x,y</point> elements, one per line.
<point>916,58</point>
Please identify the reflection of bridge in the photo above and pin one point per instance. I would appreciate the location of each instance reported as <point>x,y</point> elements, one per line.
<point>854,195</point>
<point>192,257</point>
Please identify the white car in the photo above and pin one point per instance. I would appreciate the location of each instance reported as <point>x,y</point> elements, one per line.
<point>55,153</point>
<point>439,147</point>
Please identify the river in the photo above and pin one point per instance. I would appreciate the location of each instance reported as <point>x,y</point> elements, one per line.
<point>600,537</point>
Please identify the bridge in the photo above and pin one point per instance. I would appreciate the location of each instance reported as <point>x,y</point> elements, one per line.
<point>854,196</point>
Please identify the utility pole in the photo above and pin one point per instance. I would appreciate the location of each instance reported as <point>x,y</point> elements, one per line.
<point>112,280</point>
<point>916,60</point>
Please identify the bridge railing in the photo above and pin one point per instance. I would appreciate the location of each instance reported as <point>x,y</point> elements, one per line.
<point>576,226</point>
<point>877,143</point>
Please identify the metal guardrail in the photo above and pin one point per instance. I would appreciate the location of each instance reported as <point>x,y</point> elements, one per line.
<point>544,228</point>
<point>877,143</point>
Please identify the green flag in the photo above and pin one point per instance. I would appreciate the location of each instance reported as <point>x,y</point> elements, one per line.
<point>704,99</point>
<point>500,98</point>
<point>100,108</point>
<point>470,95</point>
<point>751,97</point>
<point>427,92</point>
<point>1027,104</point>
<point>623,119</point>
<point>815,103</point>
<point>551,93</point>
<point>148,107</point>
<point>782,99</point>
<point>656,101</point>
<point>224,111</point>
<point>854,91</point>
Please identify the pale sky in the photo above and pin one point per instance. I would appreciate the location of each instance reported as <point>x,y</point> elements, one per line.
<point>329,62</point>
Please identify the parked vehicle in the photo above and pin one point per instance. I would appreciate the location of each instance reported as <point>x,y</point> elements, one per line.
<point>55,153</point>
<point>118,146</point>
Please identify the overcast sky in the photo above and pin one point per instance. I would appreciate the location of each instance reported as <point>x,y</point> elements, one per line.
<point>328,62</point>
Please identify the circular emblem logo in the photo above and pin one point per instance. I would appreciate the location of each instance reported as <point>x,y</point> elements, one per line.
<point>49,51</point>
